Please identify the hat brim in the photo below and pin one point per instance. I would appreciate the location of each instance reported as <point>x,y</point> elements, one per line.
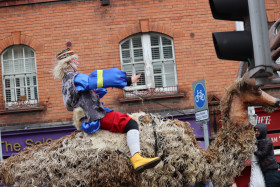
<point>65,53</point>
<point>67,59</point>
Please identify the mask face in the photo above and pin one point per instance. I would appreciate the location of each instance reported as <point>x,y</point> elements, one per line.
<point>74,63</point>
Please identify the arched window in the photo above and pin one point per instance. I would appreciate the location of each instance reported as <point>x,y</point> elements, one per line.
<point>152,56</point>
<point>19,75</point>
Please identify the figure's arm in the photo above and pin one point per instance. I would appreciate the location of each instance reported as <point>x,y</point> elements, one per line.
<point>104,79</point>
<point>107,78</point>
<point>263,149</point>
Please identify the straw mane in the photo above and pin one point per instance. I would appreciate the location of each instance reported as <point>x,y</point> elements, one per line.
<point>102,158</point>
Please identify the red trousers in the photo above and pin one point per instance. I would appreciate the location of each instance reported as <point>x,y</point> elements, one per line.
<point>114,121</point>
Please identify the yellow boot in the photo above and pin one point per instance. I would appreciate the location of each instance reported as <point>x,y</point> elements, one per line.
<point>140,164</point>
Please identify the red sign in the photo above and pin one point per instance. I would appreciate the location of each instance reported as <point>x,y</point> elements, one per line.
<point>272,120</point>
<point>275,139</point>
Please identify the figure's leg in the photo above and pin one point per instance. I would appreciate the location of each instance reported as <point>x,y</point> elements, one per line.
<point>119,122</point>
<point>139,163</point>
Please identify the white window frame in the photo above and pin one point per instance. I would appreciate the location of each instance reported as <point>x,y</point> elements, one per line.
<point>27,102</point>
<point>148,62</point>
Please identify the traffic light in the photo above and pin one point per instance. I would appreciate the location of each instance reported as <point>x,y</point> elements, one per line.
<point>252,44</point>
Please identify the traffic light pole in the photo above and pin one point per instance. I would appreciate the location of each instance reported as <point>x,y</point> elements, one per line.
<point>259,30</point>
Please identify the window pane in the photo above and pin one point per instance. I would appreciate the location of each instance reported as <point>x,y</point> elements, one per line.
<point>30,65</point>
<point>17,82</point>
<point>8,55</point>
<point>170,75</point>
<point>166,41</point>
<point>126,61</point>
<point>169,67</point>
<point>9,95</point>
<point>157,67</point>
<point>142,80</point>
<point>155,53</point>
<point>18,65</point>
<point>29,92</point>
<point>8,66</point>
<point>126,45</point>
<point>167,52</point>
<point>18,52</point>
<point>28,81</point>
<point>21,94</point>
<point>32,92</point>
<point>170,80</point>
<point>126,54</point>
<point>35,93</point>
<point>138,55</point>
<point>34,80</point>
<point>126,58</point>
<point>154,40</point>
<point>158,81</point>
<point>28,53</point>
<point>136,41</point>
<point>9,83</point>
<point>128,69</point>
<point>139,69</point>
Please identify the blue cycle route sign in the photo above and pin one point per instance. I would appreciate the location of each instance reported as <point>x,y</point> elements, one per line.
<point>199,95</point>
<point>200,100</point>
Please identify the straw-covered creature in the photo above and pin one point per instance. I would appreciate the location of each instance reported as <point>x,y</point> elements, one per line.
<point>102,158</point>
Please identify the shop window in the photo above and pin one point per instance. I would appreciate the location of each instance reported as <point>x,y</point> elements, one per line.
<point>152,56</point>
<point>19,77</point>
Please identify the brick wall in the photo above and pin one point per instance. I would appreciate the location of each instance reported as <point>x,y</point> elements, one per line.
<point>96,32</point>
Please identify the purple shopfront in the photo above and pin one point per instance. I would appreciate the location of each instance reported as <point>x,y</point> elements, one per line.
<point>197,128</point>
<point>15,141</point>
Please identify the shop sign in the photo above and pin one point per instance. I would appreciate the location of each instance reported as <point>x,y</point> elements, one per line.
<point>275,139</point>
<point>272,120</point>
<point>15,141</point>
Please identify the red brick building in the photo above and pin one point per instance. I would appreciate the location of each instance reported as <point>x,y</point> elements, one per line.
<point>169,42</point>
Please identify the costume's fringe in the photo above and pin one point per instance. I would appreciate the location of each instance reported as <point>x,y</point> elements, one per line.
<point>62,67</point>
<point>78,114</point>
<point>99,160</point>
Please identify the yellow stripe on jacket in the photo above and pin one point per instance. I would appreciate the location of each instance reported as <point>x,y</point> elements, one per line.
<point>99,78</point>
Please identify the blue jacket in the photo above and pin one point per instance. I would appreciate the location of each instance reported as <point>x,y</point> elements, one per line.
<point>85,91</point>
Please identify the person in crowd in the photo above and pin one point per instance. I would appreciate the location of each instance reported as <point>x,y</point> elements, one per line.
<point>265,155</point>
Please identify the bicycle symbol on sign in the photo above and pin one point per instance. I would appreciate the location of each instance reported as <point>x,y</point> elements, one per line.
<point>199,96</point>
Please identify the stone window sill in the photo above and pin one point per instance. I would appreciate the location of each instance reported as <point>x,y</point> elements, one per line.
<point>23,109</point>
<point>135,99</point>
